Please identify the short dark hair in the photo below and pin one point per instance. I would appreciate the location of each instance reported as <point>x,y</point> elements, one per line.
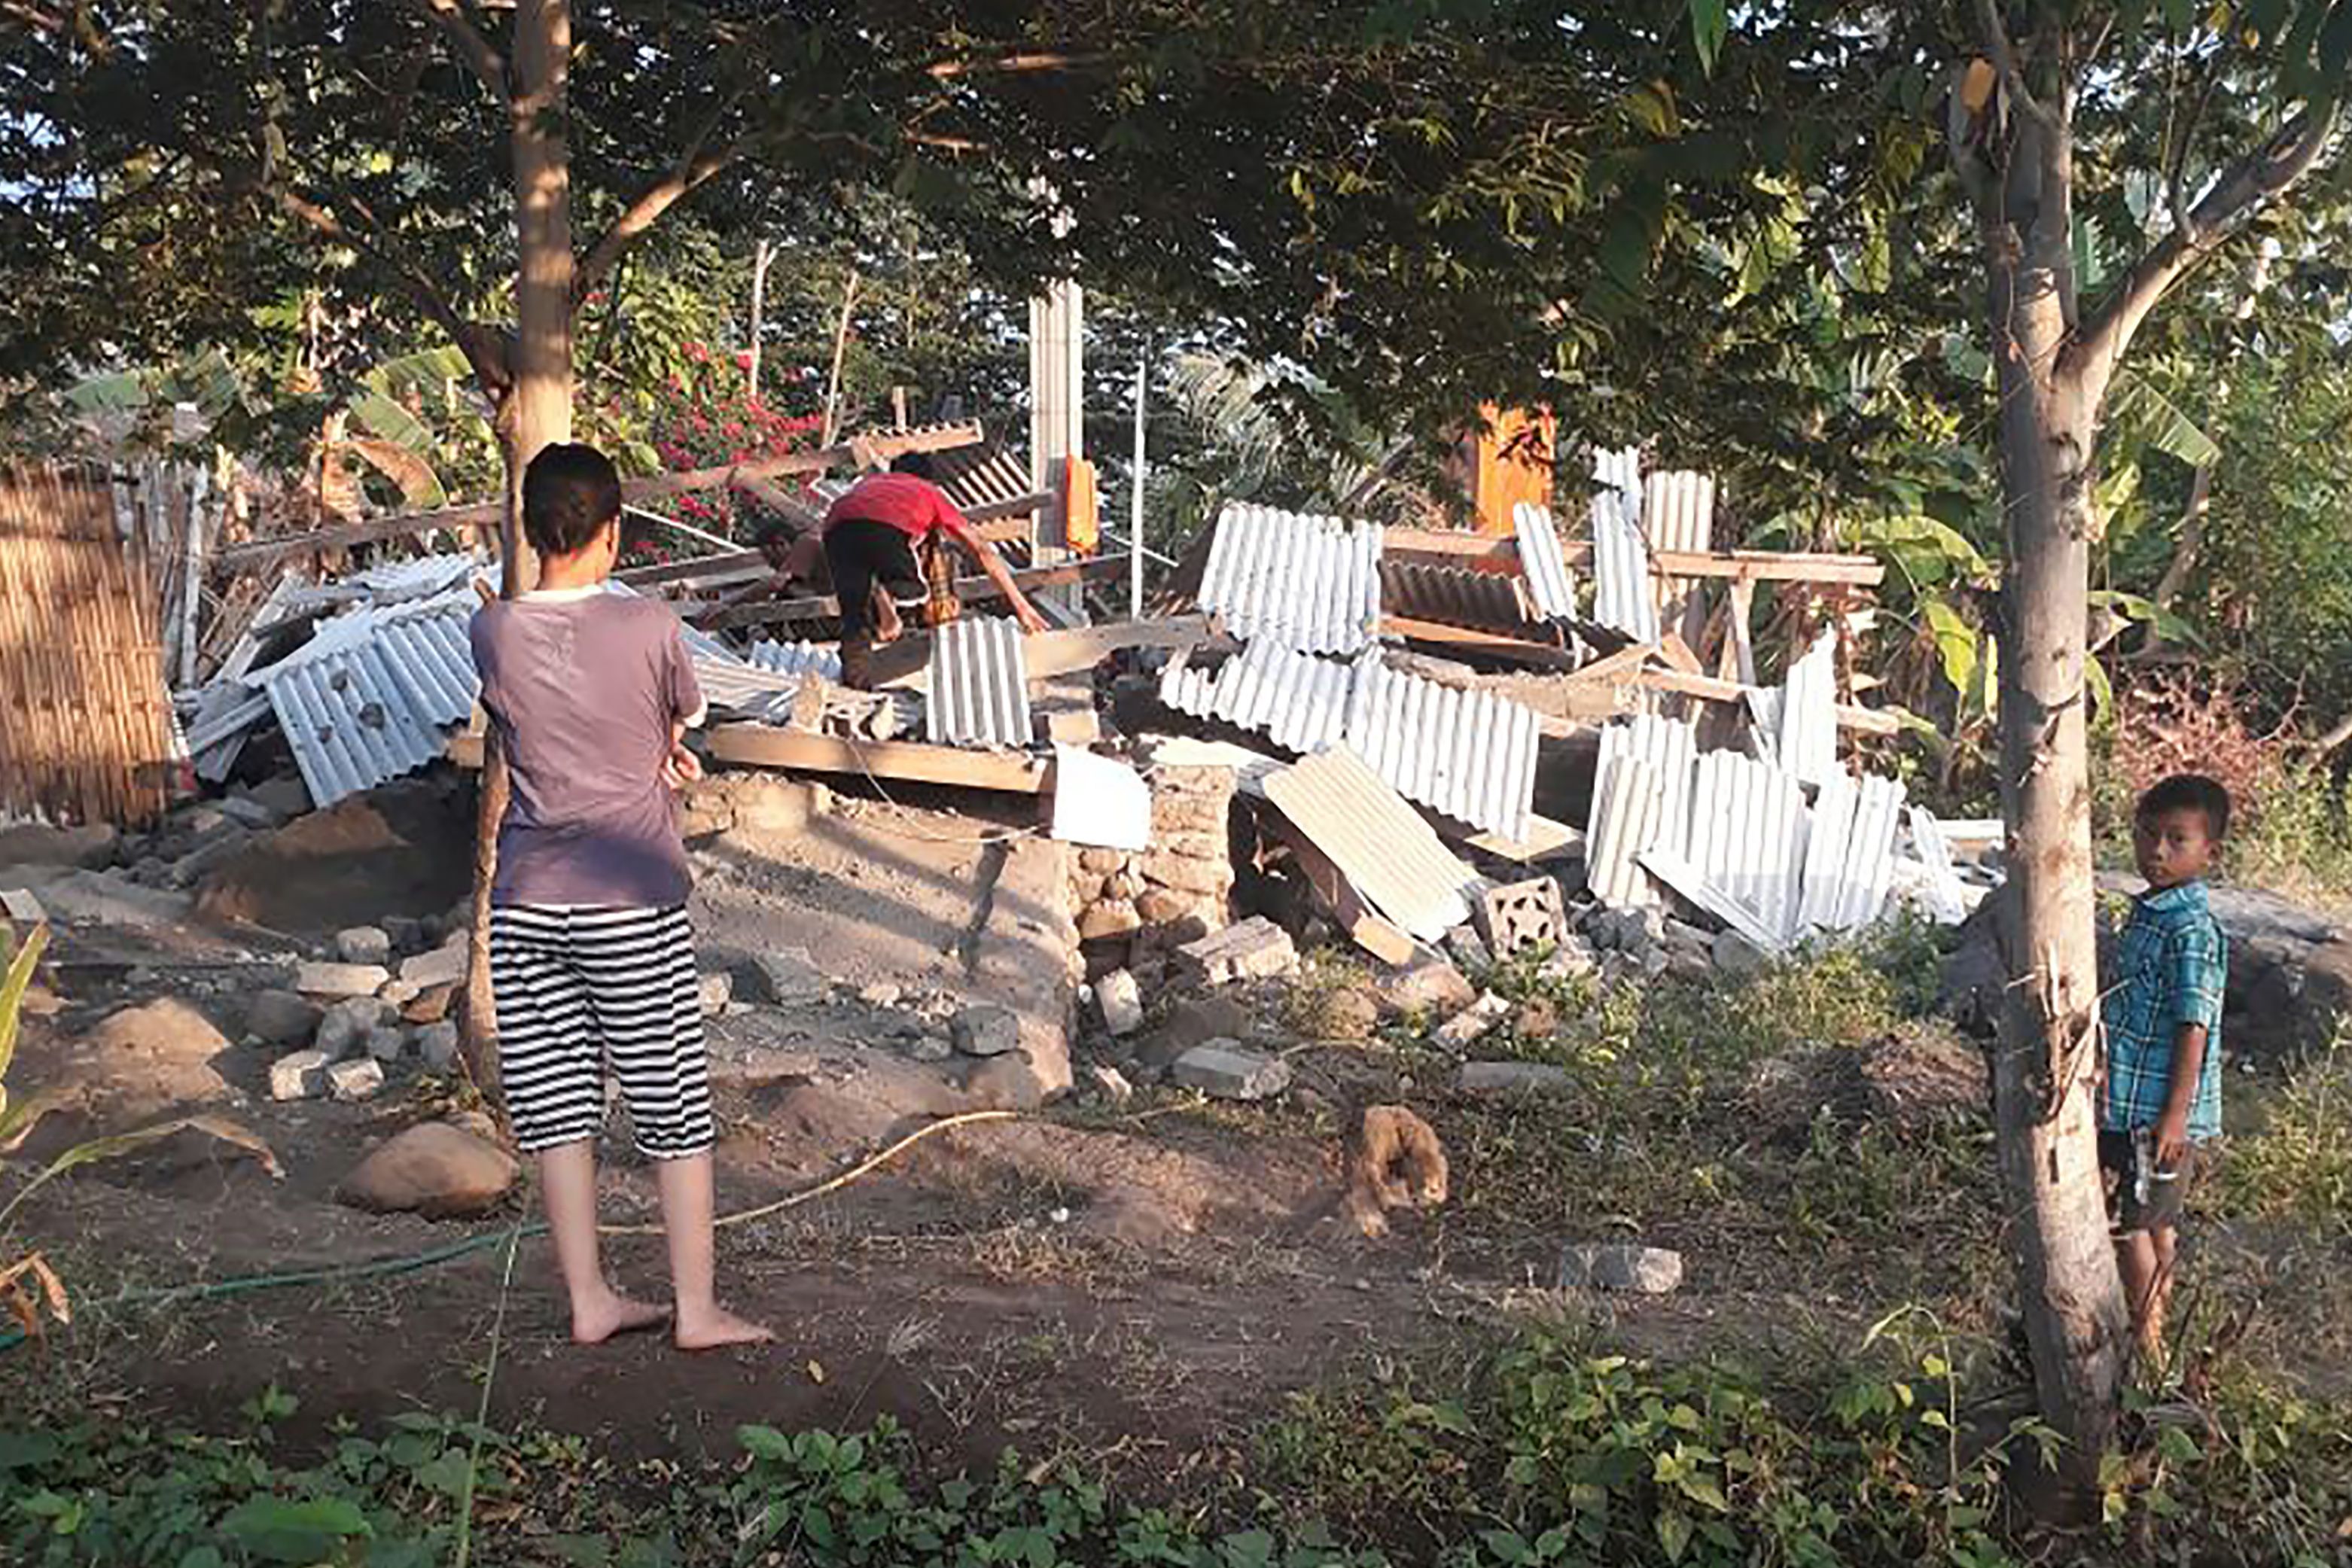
<point>2189,792</point>
<point>918,463</point>
<point>774,531</point>
<point>569,492</point>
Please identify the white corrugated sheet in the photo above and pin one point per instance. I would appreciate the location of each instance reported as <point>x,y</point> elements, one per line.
<point>1666,752</point>
<point>1312,584</point>
<point>1548,578</point>
<point>980,684</point>
<point>1298,701</point>
<point>1807,743</point>
<point>372,696</point>
<point>801,658</point>
<point>1623,598</point>
<point>1748,837</point>
<point>1942,892</point>
<point>1470,755</point>
<point>1393,860</point>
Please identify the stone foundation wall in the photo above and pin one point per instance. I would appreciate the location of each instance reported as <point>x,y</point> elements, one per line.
<point>1134,910</point>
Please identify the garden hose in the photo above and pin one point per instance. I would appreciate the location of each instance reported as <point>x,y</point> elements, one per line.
<point>387,1268</point>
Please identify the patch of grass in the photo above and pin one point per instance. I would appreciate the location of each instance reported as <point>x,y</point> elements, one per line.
<point>1323,1001</point>
<point>2296,1164</point>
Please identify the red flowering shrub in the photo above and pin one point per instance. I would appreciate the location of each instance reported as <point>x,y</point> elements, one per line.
<point>705,418</point>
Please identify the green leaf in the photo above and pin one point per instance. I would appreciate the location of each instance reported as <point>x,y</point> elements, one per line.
<point>278,1530</point>
<point>13,987</point>
<point>2096,682</point>
<point>1710,22</point>
<point>2154,420</point>
<point>1674,1534</point>
<point>1956,644</point>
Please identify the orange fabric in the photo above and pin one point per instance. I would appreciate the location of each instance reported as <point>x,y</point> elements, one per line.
<point>1082,513</point>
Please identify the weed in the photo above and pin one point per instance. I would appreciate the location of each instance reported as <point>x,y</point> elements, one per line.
<point>2298,1164</point>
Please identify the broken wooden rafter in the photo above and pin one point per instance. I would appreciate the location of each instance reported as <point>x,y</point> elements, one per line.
<point>762,746</point>
<point>1481,553</point>
<point>1862,720</point>
<point>880,447</point>
<point>970,590</point>
<point>1492,644</point>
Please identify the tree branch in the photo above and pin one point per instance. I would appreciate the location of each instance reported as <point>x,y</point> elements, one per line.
<point>2251,182</point>
<point>2176,177</point>
<point>694,169</point>
<point>489,365</point>
<point>1019,64</point>
<point>456,23</point>
<point>2004,59</point>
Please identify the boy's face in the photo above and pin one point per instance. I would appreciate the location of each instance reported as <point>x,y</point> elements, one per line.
<point>2172,847</point>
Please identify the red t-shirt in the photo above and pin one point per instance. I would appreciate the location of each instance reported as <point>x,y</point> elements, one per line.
<point>915,507</point>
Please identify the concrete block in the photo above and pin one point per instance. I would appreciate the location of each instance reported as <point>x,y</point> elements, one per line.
<point>1620,1265</point>
<point>1522,915</point>
<point>1255,949</point>
<point>1227,1070</point>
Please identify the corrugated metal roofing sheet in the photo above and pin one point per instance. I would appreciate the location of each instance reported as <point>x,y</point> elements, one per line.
<point>1311,583</point>
<point>1748,824</point>
<point>1550,583</point>
<point>1482,601</point>
<point>979,476</point>
<point>370,696</point>
<point>1394,859</point>
<point>797,658</point>
<point>1624,599</point>
<point>1679,511</point>
<point>980,684</point>
<point>1807,744</point>
<point>1298,701</point>
<point>1470,755</point>
<point>1664,752</point>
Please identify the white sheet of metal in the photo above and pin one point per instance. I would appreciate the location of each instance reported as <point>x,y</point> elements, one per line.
<point>1552,585</point>
<point>1624,822</point>
<point>1312,584</point>
<point>980,684</point>
<point>801,658</point>
<point>1623,596</point>
<point>1298,701</point>
<point>1825,852</point>
<point>1947,899</point>
<point>1469,754</point>
<point>1393,857</point>
<point>1807,739</point>
<point>1870,853</point>
<point>371,695</point>
<point>1748,837</point>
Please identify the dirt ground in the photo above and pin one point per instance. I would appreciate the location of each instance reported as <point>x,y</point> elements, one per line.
<point>1140,1284</point>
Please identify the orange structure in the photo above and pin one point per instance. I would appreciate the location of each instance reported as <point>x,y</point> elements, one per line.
<point>1508,460</point>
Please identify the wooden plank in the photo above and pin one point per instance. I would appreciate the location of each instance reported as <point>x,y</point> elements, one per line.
<point>1485,643</point>
<point>1677,651</point>
<point>1481,554</point>
<point>1863,720</point>
<point>760,746</point>
<point>881,446</point>
<point>971,590</point>
<point>1367,930</point>
<point>1545,839</point>
<point>1048,653</point>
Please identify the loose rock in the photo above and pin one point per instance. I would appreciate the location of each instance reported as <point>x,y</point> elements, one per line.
<point>790,978</point>
<point>1737,956</point>
<point>987,1032</point>
<point>1107,918</point>
<point>347,1025</point>
<point>882,995</point>
<point>1226,1070</point>
<point>1113,1084</point>
<point>1255,949</point>
<point>1505,1078</point>
<point>430,1006</point>
<point>384,1044</point>
<point>282,1018</point>
<point>1620,1265</point>
<point>1119,999</point>
<point>354,1081</point>
<point>1427,984</point>
<point>715,990</point>
<point>341,979</point>
<point>1474,1022</point>
<point>363,945</point>
<point>436,1047</point>
<point>435,1170</point>
<point>299,1076</point>
<point>443,965</point>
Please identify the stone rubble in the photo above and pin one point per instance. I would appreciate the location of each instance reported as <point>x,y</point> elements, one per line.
<point>1227,1070</point>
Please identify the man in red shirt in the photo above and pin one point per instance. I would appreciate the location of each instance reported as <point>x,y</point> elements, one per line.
<point>870,536</point>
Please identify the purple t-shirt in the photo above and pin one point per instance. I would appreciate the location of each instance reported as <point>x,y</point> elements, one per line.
<point>582,688</point>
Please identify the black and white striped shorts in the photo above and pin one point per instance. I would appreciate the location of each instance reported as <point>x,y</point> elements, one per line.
<point>576,988</point>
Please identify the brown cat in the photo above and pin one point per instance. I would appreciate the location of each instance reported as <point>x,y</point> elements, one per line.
<point>1398,1164</point>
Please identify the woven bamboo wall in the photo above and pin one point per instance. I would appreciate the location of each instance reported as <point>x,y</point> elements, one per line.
<point>84,720</point>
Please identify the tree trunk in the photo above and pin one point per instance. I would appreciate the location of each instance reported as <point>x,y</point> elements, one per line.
<point>537,411</point>
<point>2075,1317</point>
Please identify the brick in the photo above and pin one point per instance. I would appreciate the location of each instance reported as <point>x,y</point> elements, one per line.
<point>1186,874</point>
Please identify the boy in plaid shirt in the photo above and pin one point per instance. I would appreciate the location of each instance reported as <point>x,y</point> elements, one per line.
<point>2163,1017</point>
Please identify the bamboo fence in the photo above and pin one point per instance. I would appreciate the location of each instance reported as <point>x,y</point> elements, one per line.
<point>85,718</point>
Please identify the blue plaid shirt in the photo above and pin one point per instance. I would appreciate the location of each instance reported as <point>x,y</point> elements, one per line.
<point>2172,966</point>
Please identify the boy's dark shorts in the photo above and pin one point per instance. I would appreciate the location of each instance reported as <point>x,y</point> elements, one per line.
<point>2167,1194</point>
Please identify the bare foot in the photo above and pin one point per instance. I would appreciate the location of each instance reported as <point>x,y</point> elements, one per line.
<point>716,1329</point>
<point>613,1314</point>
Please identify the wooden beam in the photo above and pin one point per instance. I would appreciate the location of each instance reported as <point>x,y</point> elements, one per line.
<point>971,590</point>
<point>1862,720</point>
<point>731,563</point>
<point>762,745</point>
<point>1470,641</point>
<point>880,447</point>
<point>1049,654</point>
<point>1545,839</point>
<point>1481,554</point>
